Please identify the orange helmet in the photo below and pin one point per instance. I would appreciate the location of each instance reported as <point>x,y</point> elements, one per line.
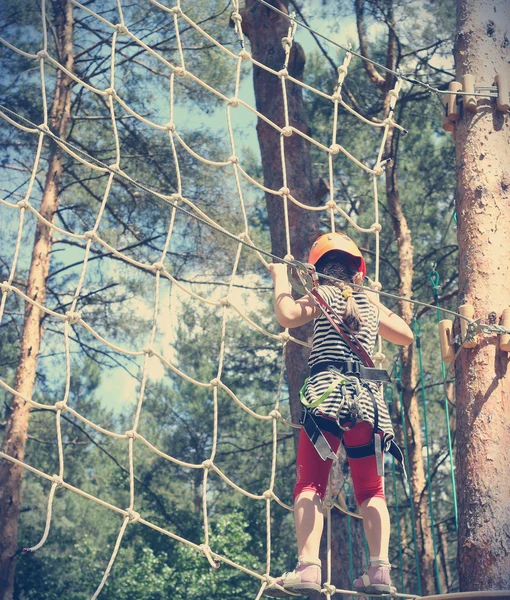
<point>336,241</point>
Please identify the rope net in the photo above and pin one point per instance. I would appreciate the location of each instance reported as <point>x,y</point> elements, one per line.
<point>188,216</point>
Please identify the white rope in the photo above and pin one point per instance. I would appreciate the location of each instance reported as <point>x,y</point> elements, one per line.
<point>231,167</point>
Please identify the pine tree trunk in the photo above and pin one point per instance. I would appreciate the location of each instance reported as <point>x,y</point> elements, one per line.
<point>15,434</point>
<point>482,374</point>
<point>409,377</point>
<point>265,30</point>
<point>406,271</point>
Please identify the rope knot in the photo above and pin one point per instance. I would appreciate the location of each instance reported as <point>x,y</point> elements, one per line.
<point>379,357</point>
<point>276,414</point>
<point>180,71</point>
<point>287,131</point>
<point>58,480</point>
<point>158,266</point>
<point>283,73</point>
<point>148,351</point>
<point>61,406</point>
<point>233,102</point>
<point>110,92</point>
<point>284,191</point>
<point>268,579</point>
<point>376,285</point>
<point>244,236</point>
<point>328,504</point>
<point>329,589</point>
<point>288,257</point>
<point>236,17</point>
<point>73,317</point>
<point>176,10</point>
<point>5,287</point>
<point>336,97</point>
<point>244,55</point>
<point>286,43</point>
<point>23,204</point>
<point>132,515</point>
<point>376,227</point>
<point>205,551</point>
<point>176,198</point>
<point>331,204</point>
<point>233,160</point>
<point>225,301</point>
<point>42,54</point>
<point>214,382</point>
<point>268,495</point>
<point>208,464</point>
<point>334,149</point>
<point>284,336</point>
<point>170,127</point>
<point>378,171</point>
<point>114,167</point>
<point>91,235</point>
<point>131,434</point>
<point>341,70</point>
<point>121,29</point>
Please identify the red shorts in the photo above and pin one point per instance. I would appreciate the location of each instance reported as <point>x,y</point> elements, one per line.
<point>312,472</point>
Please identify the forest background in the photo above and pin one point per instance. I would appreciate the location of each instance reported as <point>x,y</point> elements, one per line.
<point>117,297</point>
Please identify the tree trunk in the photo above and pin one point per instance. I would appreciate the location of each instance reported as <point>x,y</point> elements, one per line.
<point>482,374</point>
<point>406,271</point>
<point>265,30</point>
<point>409,379</point>
<point>15,434</point>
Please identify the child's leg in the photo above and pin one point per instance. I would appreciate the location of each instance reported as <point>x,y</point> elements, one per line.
<point>311,483</point>
<point>369,491</point>
<point>376,523</point>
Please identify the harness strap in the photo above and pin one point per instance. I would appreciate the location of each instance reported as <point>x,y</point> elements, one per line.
<point>314,433</point>
<point>377,438</point>
<point>351,367</point>
<point>369,450</point>
<point>348,337</point>
<point>314,425</point>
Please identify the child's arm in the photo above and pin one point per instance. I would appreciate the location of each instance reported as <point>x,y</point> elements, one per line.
<point>289,312</point>
<point>392,327</point>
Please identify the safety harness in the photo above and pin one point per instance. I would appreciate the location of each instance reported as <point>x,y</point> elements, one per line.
<point>349,375</point>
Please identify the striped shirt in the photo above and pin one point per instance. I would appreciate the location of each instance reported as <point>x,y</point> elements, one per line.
<point>327,345</point>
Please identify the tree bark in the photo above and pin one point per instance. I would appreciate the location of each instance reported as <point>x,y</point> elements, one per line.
<point>482,374</point>
<point>406,271</point>
<point>15,434</point>
<point>265,30</point>
<point>409,376</point>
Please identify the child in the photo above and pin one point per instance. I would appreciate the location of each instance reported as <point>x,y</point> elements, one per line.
<point>336,255</point>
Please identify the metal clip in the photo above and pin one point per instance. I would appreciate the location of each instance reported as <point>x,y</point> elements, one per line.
<point>302,277</point>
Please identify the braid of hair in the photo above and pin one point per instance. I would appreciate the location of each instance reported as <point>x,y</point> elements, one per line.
<point>352,315</point>
<point>332,265</point>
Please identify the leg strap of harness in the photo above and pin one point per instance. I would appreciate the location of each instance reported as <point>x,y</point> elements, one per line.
<point>370,450</point>
<point>314,426</point>
<point>377,441</point>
